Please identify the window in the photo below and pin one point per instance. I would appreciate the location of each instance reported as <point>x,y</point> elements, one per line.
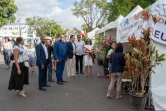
<point>22,28</point>
<point>16,28</point>
<point>4,28</point>
<point>10,28</point>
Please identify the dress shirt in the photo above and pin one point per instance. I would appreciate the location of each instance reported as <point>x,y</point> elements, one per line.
<point>79,47</point>
<point>74,46</point>
<point>45,50</point>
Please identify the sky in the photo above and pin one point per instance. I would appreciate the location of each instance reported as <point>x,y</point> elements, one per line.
<point>59,10</point>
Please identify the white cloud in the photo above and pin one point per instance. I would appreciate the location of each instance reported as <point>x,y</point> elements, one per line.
<point>48,8</point>
<point>65,18</point>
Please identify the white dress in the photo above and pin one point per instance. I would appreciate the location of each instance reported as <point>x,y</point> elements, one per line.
<point>87,58</point>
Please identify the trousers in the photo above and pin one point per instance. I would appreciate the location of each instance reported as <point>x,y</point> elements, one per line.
<point>116,77</point>
<point>59,70</point>
<point>50,69</point>
<point>71,67</point>
<point>42,75</point>
<point>79,59</point>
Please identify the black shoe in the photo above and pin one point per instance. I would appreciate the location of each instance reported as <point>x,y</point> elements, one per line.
<point>42,89</point>
<point>47,85</point>
<point>81,72</point>
<point>77,73</point>
<point>60,83</point>
<point>63,81</point>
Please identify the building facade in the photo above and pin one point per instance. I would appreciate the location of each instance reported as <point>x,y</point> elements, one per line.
<point>17,30</point>
<point>73,31</point>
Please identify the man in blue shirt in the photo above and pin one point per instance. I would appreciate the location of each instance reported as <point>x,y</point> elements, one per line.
<point>60,57</point>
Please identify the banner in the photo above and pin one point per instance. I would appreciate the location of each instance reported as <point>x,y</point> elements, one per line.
<point>159,28</point>
<point>131,26</point>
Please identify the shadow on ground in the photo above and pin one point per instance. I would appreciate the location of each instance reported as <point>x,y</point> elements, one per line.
<point>80,94</point>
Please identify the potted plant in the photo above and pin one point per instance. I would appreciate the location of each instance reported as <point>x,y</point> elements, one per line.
<point>99,49</point>
<point>140,65</point>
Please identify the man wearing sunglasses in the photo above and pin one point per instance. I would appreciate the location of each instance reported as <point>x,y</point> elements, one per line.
<point>79,54</point>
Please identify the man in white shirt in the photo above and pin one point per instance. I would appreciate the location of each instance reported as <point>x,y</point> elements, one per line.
<point>79,54</point>
<point>42,63</point>
<point>71,50</point>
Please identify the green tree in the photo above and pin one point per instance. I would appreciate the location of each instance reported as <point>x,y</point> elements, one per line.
<point>100,25</point>
<point>84,27</point>
<point>44,26</point>
<point>7,10</point>
<point>93,12</point>
<point>55,30</point>
<point>123,7</point>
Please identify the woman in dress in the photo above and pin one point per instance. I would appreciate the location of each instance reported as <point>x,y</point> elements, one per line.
<point>89,58</point>
<point>32,57</point>
<point>7,50</point>
<point>117,67</point>
<point>19,74</point>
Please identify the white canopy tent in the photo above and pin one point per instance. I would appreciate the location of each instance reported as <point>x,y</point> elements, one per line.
<point>158,83</point>
<point>110,29</point>
<point>91,34</point>
<point>126,21</point>
<point>102,30</point>
<point>113,25</point>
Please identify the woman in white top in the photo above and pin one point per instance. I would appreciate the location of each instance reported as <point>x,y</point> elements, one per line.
<point>19,74</point>
<point>32,57</point>
<point>7,50</point>
<point>88,58</point>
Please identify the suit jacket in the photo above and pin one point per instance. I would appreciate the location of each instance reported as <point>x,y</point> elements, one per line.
<point>60,50</point>
<point>40,54</point>
<point>70,50</point>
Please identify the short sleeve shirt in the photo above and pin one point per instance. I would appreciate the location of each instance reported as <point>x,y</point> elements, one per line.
<point>20,58</point>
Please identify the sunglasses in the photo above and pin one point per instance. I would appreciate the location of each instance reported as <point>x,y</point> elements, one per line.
<point>88,41</point>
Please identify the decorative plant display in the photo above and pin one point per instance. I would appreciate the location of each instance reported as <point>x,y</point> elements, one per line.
<point>144,58</point>
<point>100,47</point>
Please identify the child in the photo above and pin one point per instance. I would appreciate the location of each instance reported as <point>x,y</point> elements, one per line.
<point>32,57</point>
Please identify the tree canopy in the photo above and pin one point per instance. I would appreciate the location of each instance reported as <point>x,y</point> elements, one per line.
<point>123,7</point>
<point>7,10</point>
<point>44,26</point>
<point>93,12</point>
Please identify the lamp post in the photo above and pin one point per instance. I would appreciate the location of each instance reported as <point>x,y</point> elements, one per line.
<point>19,27</point>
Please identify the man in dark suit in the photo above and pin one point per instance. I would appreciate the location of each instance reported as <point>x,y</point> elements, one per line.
<point>42,63</point>
<point>71,51</point>
<point>60,56</point>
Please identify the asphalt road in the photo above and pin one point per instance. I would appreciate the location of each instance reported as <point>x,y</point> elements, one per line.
<point>80,94</point>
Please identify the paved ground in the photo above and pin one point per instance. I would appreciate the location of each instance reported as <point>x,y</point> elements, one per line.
<point>81,94</point>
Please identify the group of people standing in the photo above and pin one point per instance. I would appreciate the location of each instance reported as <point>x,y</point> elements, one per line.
<point>48,56</point>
